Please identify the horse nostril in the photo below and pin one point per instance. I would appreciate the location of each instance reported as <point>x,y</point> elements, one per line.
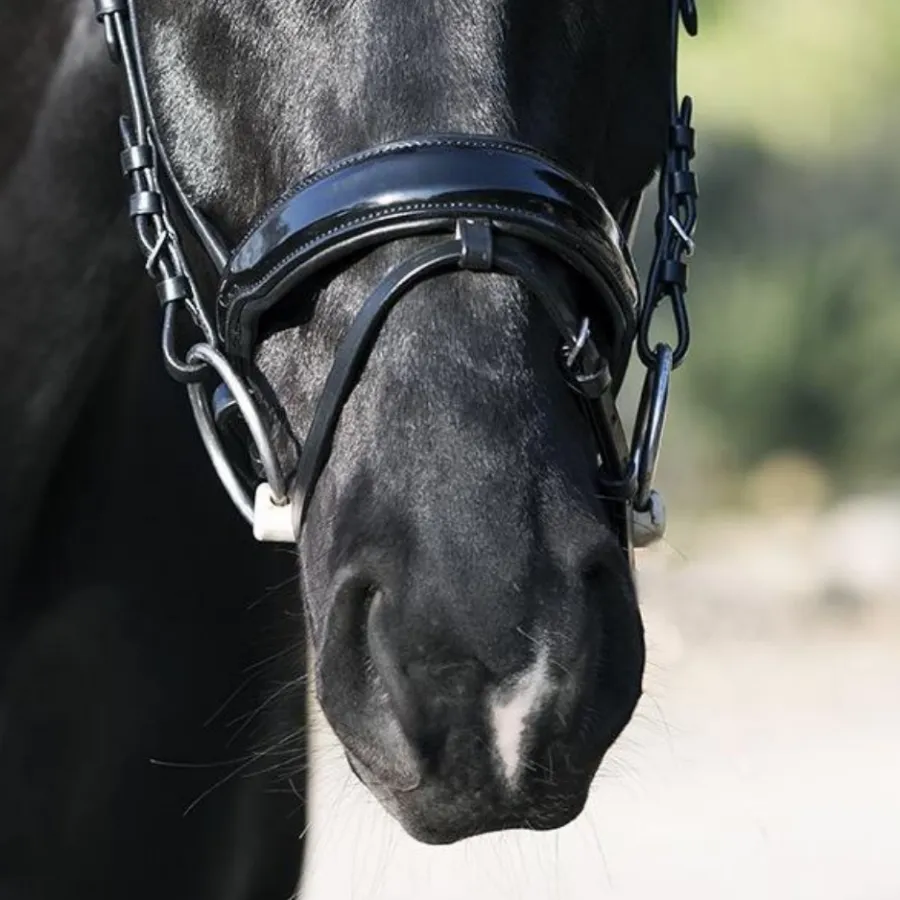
<point>431,690</point>
<point>389,669</point>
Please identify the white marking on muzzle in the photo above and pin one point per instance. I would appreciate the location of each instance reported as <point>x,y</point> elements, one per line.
<point>511,709</point>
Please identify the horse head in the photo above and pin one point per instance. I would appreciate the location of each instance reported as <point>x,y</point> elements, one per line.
<point>478,645</point>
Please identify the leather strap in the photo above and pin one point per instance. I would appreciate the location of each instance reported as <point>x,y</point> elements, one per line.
<point>350,358</point>
<point>353,350</point>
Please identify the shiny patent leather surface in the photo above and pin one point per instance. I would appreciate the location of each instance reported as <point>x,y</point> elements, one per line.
<point>424,186</point>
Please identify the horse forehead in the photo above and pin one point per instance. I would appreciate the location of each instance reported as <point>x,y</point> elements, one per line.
<point>247,105</point>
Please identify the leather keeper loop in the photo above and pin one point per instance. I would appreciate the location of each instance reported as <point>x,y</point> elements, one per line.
<point>139,156</point>
<point>674,272</point>
<point>144,203</point>
<point>682,137</point>
<point>477,245</point>
<point>684,184</point>
<point>171,290</point>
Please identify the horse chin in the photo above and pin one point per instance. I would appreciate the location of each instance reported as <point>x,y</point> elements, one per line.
<point>434,813</point>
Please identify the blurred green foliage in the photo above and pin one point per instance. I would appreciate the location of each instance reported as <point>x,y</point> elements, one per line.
<point>794,291</point>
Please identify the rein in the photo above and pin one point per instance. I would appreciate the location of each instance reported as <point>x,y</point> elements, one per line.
<point>480,199</point>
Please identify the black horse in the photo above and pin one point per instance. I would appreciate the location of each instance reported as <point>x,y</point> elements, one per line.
<point>463,580</point>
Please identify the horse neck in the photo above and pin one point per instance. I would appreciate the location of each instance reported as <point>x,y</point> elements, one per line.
<point>65,249</point>
<point>32,36</point>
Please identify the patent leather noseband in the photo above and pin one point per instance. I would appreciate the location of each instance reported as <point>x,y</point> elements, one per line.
<point>478,199</point>
<point>478,203</point>
<point>426,186</point>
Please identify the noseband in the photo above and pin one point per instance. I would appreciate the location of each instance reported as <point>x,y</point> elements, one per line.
<point>484,205</point>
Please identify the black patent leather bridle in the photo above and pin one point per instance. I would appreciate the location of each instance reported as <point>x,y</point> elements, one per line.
<point>479,200</point>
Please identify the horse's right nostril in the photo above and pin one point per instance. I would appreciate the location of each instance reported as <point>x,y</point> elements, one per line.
<point>430,693</point>
<point>386,660</point>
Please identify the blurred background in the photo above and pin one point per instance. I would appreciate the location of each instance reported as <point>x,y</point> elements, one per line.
<point>765,757</point>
